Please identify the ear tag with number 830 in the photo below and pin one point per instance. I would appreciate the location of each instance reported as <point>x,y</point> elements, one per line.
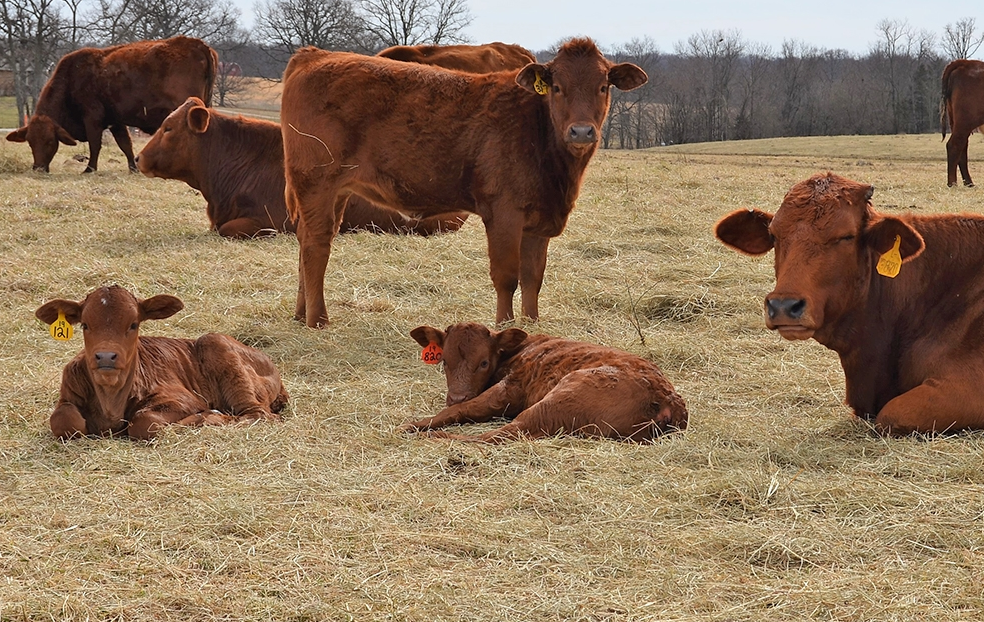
<point>60,329</point>
<point>891,262</point>
<point>540,86</point>
<point>432,354</point>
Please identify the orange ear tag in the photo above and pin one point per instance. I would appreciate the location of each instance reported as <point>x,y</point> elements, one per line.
<point>60,328</point>
<point>891,262</point>
<point>432,354</point>
<point>540,86</point>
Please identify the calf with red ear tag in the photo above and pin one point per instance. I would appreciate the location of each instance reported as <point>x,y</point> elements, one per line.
<point>899,298</point>
<point>547,386</point>
<point>127,385</point>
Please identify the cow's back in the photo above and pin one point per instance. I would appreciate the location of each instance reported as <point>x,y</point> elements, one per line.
<point>485,58</point>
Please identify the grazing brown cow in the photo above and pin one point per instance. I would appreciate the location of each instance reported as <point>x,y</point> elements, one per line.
<point>238,166</point>
<point>470,58</point>
<point>124,384</point>
<point>137,84</point>
<point>910,344</point>
<point>963,107</point>
<point>547,385</point>
<point>511,147</point>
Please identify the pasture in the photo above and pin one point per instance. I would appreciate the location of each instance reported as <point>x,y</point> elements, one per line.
<point>776,504</point>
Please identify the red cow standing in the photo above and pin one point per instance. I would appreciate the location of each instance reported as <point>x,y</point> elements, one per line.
<point>963,106</point>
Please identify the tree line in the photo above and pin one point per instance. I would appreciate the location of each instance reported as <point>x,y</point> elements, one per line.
<point>714,85</point>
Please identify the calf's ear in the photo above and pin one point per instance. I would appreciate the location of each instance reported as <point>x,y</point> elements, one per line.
<point>881,232</point>
<point>535,78</point>
<point>159,307</point>
<point>198,119</point>
<point>509,340</point>
<point>627,76</point>
<point>426,335</point>
<point>65,137</point>
<point>48,312</point>
<point>18,136</point>
<point>746,231</point>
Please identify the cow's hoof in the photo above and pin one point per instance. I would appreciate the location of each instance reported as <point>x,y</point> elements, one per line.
<point>969,184</point>
<point>88,169</point>
<point>134,169</point>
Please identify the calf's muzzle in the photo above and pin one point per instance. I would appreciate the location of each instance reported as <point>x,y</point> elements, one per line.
<point>106,360</point>
<point>779,308</point>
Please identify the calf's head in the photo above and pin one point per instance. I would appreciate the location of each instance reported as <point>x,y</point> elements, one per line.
<point>828,241</point>
<point>110,318</point>
<point>576,87</point>
<point>472,353</point>
<point>172,152</point>
<point>43,135</point>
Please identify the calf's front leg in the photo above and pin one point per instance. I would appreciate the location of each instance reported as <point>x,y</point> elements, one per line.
<point>67,422</point>
<point>499,400</point>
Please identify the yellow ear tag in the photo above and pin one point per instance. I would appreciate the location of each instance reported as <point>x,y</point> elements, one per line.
<point>432,354</point>
<point>541,87</point>
<point>60,328</point>
<point>891,262</point>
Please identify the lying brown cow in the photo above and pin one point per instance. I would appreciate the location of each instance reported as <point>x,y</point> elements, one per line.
<point>124,384</point>
<point>137,84</point>
<point>238,166</point>
<point>511,147</point>
<point>471,58</point>
<point>548,386</point>
<point>910,344</point>
<point>963,106</point>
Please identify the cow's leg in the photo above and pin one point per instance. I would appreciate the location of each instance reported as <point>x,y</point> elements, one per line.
<point>504,233</point>
<point>964,169</point>
<point>245,228</point>
<point>533,262</point>
<point>934,406</point>
<point>314,239</point>
<point>956,148</point>
<point>67,422</point>
<point>93,135</point>
<point>122,136</point>
<point>245,381</point>
<point>147,424</point>
<point>497,401</point>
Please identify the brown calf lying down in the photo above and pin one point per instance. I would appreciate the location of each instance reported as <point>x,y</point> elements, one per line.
<point>899,298</point>
<point>547,385</point>
<point>238,166</point>
<point>124,384</point>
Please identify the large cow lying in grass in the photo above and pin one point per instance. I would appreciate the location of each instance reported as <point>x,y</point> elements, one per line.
<point>899,298</point>
<point>128,385</point>
<point>547,386</point>
<point>511,147</point>
<point>963,107</point>
<point>137,84</point>
<point>238,166</point>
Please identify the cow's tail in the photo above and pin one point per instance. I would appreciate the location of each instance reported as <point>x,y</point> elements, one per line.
<point>945,100</point>
<point>211,68</point>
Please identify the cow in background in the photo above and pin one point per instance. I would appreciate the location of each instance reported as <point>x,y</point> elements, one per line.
<point>127,385</point>
<point>238,166</point>
<point>469,58</point>
<point>963,106</point>
<point>137,84</point>
<point>547,386</point>
<point>511,147</point>
<point>899,298</point>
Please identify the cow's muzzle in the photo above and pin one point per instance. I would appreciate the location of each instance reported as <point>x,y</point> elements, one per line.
<point>582,135</point>
<point>456,398</point>
<point>106,360</point>
<point>785,308</point>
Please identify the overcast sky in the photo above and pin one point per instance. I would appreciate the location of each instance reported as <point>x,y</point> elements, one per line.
<point>830,24</point>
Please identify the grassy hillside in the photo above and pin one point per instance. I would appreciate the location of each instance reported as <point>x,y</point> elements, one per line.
<point>776,504</point>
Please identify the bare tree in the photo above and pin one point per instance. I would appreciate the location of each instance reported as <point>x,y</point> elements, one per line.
<point>122,21</point>
<point>960,39</point>
<point>415,22</point>
<point>713,56</point>
<point>284,26</point>
<point>32,42</point>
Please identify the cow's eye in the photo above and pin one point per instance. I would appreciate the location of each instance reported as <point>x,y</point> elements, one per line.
<point>83,326</point>
<point>166,129</point>
<point>485,364</point>
<point>134,326</point>
<point>846,238</point>
<point>604,88</point>
<point>556,89</point>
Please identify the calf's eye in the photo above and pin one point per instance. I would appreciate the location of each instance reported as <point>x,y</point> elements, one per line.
<point>485,364</point>
<point>134,326</point>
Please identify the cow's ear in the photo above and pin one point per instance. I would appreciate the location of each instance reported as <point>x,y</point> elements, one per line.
<point>65,137</point>
<point>426,335</point>
<point>48,312</point>
<point>198,119</point>
<point>746,231</point>
<point>881,232</point>
<point>159,307</point>
<point>509,340</point>
<point>536,78</point>
<point>18,136</point>
<point>627,76</point>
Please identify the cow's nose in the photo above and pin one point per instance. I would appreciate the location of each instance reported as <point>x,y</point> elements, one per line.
<point>792,308</point>
<point>106,359</point>
<point>455,398</point>
<point>582,134</point>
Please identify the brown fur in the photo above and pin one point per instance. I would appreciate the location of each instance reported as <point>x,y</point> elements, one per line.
<point>238,166</point>
<point>470,58</point>
<point>124,384</point>
<point>137,84</point>
<point>427,141</point>
<point>963,106</point>
<point>548,386</point>
<point>911,346</point>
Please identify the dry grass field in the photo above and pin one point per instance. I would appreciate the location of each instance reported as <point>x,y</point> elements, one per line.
<point>776,504</point>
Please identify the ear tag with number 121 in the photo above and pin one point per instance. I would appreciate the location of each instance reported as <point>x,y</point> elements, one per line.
<point>891,262</point>
<point>432,354</point>
<point>60,329</point>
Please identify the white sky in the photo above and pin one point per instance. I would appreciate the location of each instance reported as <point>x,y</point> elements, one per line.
<point>826,24</point>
